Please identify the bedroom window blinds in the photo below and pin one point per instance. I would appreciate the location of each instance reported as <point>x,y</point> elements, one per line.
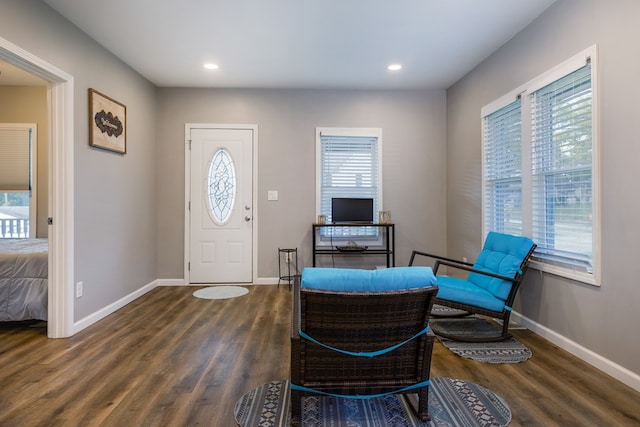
<point>15,158</point>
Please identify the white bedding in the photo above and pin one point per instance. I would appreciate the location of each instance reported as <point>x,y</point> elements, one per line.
<point>24,269</point>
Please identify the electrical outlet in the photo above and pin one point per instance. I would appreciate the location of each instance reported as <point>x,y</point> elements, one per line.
<point>288,257</point>
<point>464,259</point>
<point>79,289</point>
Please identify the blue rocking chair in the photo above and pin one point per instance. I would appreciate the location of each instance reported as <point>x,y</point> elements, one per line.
<point>491,285</point>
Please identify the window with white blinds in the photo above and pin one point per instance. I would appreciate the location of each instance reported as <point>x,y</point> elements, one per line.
<point>562,172</point>
<point>348,165</point>
<point>540,175</point>
<point>502,169</point>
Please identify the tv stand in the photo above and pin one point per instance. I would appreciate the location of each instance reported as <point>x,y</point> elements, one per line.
<point>387,248</point>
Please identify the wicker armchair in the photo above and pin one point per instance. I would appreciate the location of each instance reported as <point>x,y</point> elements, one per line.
<point>491,285</point>
<point>361,321</point>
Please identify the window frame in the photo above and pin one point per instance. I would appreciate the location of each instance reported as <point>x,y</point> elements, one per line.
<point>361,236</point>
<point>540,261</point>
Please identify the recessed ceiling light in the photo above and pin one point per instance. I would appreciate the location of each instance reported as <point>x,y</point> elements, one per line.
<point>211,66</point>
<point>394,67</point>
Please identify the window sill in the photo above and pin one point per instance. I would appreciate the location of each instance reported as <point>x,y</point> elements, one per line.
<point>567,273</point>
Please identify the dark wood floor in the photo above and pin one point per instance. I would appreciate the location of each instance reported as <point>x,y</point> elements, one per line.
<point>169,359</point>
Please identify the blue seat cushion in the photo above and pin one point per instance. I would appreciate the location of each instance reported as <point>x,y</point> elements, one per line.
<point>355,280</point>
<point>502,254</point>
<point>465,292</point>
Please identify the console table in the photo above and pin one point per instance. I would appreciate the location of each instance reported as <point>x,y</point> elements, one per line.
<point>387,248</point>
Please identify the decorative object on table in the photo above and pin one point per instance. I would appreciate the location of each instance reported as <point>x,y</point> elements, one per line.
<point>107,123</point>
<point>452,402</point>
<point>220,292</point>
<point>361,333</point>
<point>509,350</point>
<point>492,282</point>
<point>384,217</point>
<point>322,219</point>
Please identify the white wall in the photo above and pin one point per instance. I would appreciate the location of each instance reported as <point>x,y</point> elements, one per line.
<point>413,133</point>
<point>115,219</point>
<point>600,320</point>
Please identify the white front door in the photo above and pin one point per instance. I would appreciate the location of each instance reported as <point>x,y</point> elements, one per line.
<point>221,205</point>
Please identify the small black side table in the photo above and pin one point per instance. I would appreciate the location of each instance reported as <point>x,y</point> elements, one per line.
<point>288,257</point>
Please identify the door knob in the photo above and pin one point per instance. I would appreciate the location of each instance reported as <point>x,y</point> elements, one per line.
<point>247,218</point>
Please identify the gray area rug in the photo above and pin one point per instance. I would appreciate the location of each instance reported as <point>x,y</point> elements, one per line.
<point>507,351</point>
<point>452,402</point>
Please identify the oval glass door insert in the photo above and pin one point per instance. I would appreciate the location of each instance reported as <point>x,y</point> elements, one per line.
<point>221,186</point>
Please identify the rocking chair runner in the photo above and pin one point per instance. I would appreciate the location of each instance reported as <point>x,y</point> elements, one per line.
<point>491,285</point>
<point>360,333</point>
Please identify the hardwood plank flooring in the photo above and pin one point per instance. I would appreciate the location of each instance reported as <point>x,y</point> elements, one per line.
<point>170,359</point>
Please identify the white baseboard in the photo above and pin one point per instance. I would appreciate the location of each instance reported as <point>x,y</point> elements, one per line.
<point>268,281</point>
<point>111,308</point>
<point>618,372</point>
<point>171,282</point>
<point>181,282</point>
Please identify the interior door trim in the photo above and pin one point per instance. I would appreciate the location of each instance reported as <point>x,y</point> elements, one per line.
<point>61,190</point>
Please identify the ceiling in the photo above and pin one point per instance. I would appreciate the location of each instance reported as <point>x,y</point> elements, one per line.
<point>302,43</point>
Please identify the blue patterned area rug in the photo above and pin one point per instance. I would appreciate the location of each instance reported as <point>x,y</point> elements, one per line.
<point>452,403</point>
<point>507,351</point>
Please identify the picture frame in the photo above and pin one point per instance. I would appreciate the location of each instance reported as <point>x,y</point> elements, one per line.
<point>107,123</point>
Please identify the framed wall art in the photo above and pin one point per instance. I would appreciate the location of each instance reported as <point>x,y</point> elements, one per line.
<point>107,123</point>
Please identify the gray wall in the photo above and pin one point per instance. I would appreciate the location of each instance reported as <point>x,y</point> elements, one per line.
<point>413,133</point>
<point>600,319</point>
<point>115,225</point>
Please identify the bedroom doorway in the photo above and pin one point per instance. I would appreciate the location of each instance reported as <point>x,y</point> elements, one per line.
<point>220,217</point>
<point>19,173</point>
<point>60,185</point>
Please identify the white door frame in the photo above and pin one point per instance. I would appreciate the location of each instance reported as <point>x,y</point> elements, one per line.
<point>61,189</point>
<point>187,191</point>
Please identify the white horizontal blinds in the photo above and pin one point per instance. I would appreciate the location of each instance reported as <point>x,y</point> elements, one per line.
<point>349,168</point>
<point>502,137</point>
<point>15,159</point>
<point>562,165</point>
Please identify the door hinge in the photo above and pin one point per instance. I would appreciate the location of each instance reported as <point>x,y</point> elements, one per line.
<point>189,266</point>
<point>189,142</point>
<point>189,204</point>
<point>50,221</point>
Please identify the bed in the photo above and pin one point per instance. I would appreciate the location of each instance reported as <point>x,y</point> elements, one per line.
<point>24,269</point>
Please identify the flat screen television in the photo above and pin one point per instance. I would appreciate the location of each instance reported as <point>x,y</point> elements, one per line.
<point>351,210</point>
